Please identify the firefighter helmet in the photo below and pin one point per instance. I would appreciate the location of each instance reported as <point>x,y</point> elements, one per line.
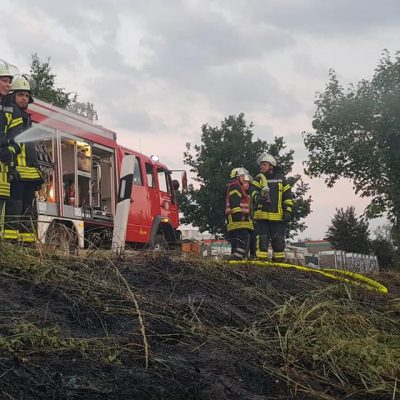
<point>266,157</point>
<point>5,70</point>
<point>21,83</point>
<point>247,177</point>
<point>238,171</point>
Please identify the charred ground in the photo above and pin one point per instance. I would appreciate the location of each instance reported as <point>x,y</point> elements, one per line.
<point>161,327</point>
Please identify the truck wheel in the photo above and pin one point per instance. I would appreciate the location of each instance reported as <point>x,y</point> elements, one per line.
<point>160,242</point>
<point>62,239</point>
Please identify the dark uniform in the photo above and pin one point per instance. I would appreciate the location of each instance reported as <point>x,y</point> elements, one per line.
<point>238,217</point>
<point>272,213</point>
<point>10,126</point>
<point>26,180</point>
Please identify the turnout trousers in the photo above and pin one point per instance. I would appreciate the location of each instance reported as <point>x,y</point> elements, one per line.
<point>240,241</point>
<point>270,232</point>
<point>20,211</point>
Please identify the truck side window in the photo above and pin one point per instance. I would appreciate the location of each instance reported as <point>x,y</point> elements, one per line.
<point>162,180</point>
<point>137,177</point>
<point>151,182</point>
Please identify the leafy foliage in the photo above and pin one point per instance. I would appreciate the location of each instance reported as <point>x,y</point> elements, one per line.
<point>357,136</point>
<point>384,248</point>
<point>83,108</point>
<point>349,233</point>
<point>222,149</point>
<point>46,90</point>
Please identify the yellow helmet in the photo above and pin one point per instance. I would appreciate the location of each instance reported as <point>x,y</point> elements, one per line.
<point>21,83</point>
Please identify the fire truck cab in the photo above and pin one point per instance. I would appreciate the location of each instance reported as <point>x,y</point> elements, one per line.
<point>81,163</point>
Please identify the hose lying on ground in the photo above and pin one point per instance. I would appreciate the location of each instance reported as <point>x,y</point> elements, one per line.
<point>338,274</point>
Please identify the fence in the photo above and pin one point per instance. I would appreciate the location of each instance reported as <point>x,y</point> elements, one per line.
<point>325,259</point>
<point>350,261</point>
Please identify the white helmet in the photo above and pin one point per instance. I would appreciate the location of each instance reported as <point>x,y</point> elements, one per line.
<point>238,171</point>
<point>247,177</point>
<point>5,70</point>
<point>266,157</point>
<point>21,83</point>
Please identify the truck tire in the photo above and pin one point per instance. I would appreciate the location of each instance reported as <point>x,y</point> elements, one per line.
<point>62,239</point>
<point>160,243</point>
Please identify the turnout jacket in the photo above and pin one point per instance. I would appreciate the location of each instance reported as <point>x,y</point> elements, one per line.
<point>10,126</point>
<point>281,200</point>
<point>27,163</point>
<point>238,207</point>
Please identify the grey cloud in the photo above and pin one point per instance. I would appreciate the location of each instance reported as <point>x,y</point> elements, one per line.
<point>324,17</point>
<point>304,64</point>
<point>246,88</point>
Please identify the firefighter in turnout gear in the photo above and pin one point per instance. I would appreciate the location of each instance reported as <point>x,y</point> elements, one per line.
<point>26,174</point>
<point>238,212</point>
<point>10,126</point>
<point>273,209</point>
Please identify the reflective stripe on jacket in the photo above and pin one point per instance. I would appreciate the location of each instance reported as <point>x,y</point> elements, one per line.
<point>26,162</point>
<point>238,207</point>
<point>280,196</point>
<point>10,125</point>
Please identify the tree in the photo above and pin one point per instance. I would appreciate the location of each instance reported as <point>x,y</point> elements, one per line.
<point>82,108</point>
<point>349,233</point>
<point>357,136</point>
<point>44,89</point>
<point>222,149</point>
<point>383,247</point>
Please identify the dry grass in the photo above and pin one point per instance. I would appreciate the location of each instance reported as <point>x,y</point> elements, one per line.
<point>276,333</point>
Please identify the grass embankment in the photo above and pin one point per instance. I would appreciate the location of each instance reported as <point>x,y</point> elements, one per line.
<point>154,327</point>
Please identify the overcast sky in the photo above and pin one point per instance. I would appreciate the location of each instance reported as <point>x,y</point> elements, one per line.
<point>157,70</point>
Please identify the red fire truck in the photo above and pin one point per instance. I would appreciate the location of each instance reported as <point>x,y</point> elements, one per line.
<point>81,164</point>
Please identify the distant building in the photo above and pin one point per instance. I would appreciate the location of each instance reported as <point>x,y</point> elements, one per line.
<point>314,246</point>
<point>193,234</point>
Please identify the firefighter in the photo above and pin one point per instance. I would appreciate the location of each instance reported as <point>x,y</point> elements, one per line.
<point>26,174</point>
<point>238,212</point>
<point>273,209</point>
<point>252,192</point>
<point>10,126</point>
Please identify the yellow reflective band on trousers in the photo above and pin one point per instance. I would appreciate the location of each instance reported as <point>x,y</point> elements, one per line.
<point>26,237</point>
<point>259,253</point>
<point>10,234</point>
<point>276,254</point>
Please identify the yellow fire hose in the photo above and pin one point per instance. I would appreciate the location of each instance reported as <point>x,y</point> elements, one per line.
<point>338,274</point>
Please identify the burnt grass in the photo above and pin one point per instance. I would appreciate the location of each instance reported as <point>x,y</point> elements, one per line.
<point>70,329</point>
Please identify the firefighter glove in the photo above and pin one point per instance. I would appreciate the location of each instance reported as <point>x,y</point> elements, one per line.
<point>7,155</point>
<point>13,175</point>
<point>16,146</point>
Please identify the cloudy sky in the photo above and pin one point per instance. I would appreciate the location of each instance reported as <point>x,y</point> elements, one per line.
<point>156,70</point>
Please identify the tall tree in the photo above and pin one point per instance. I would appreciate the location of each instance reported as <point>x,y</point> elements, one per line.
<point>349,233</point>
<point>357,136</point>
<point>45,89</point>
<point>45,80</point>
<point>383,247</point>
<point>224,148</point>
